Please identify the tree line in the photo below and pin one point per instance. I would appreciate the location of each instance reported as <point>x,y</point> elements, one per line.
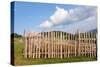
<point>15,35</point>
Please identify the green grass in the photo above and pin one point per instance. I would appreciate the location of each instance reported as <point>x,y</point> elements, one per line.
<point>20,60</point>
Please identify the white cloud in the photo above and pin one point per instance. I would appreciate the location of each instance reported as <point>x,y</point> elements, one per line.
<point>59,16</point>
<point>81,13</point>
<point>83,26</point>
<point>46,24</point>
<point>76,15</point>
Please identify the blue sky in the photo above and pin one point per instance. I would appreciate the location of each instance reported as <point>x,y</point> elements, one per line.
<point>43,16</point>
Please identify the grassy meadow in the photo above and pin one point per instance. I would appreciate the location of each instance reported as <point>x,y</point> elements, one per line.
<point>20,60</point>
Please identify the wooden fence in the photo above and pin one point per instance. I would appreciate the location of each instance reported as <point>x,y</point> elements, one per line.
<point>56,44</point>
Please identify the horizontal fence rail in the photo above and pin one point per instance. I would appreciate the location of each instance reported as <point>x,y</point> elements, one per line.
<point>56,44</point>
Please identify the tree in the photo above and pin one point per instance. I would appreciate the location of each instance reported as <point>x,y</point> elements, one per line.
<point>15,35</point>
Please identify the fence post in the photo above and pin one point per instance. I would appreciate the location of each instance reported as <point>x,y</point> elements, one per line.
<point>29,46</point>
<point>61,46</point>
<point>34,45</point>
<point>56,44</point>
<point>90,42</point>
<point>25,40</point>
<point>75,46</point>
<point>39,44</point>
<point>85,43</point>
<point>66,43</point>
<point>48,45</point>
<point>78,43</point>
<point>52,43</point>
<point>93,44</point>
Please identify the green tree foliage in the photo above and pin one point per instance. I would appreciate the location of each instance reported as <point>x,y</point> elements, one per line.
<point>16,35</point>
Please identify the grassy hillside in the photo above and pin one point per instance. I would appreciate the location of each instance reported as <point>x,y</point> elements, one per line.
<point>20,60</point>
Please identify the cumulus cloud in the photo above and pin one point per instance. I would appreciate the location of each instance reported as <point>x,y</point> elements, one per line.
<point>46,24</point>
<point>59,16</point>
<point>83,26</point>
<point>75,15</point>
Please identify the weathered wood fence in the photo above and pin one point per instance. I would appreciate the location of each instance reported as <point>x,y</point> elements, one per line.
<point>56,44</point>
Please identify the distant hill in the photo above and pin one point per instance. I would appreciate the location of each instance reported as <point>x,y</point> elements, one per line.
<point>94,30</point>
